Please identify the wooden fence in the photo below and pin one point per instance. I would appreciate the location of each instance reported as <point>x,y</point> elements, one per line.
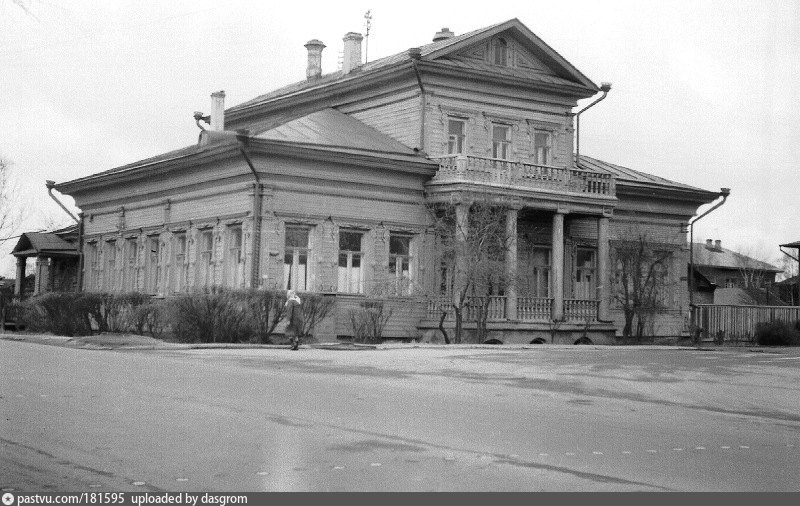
<point>727,323</point>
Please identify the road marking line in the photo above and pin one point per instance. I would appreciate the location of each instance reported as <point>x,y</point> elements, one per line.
<point>375,464</point>
<point>744,447</point>
<point>699,447</point>
<point>569,454</point>
<point>725,447</point>
<point>543,455</point>
<point>338,467</point>
<point>138,483</point>
<point>677,449</point>
<point>262,473</point>
<point>652,451</point>
<point>181,479</point>
<point>600,453</point>
<point>626,453</point>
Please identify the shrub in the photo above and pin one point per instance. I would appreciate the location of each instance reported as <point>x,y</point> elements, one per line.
<point>215,316</point>
<point>778,333</point>
<point>61,313</point>
<point>266,309</point>
<point>315,308</point>
<point>369,320</point>
<point>152,318</point>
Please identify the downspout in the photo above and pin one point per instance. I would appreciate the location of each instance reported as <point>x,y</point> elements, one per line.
<point>243,138</point>
<point>415,55</point>
<point>723,192</point>
<point>50,185</point>
<point>605,88</point>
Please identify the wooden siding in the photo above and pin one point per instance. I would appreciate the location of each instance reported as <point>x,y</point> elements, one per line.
<point>396,116</point>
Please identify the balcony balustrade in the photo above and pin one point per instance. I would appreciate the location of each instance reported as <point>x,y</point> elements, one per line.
<point>529,309</point>
<point>475,169</point>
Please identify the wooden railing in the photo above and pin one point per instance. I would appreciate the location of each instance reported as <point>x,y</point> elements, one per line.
<point>495,309</point>
<point>580,310</point>
<point>728,323</point>
<point>475,169</point>
<point>534,308</point>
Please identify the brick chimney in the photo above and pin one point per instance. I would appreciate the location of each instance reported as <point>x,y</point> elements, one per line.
<point>718,244</point>
<point>709,244</point>
<point>314,68</point>
<point>352,51</point>
<point>444,34</point>
<point>218,111</point>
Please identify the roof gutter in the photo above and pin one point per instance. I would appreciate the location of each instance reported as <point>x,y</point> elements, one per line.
<point>605,88</point>
<point>50,185</point>
<point>723,192</point>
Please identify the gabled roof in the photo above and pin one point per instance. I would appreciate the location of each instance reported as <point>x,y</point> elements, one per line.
<point>330,127</point>
<point>724,258</point>
<point>565,72</point>
<point>43,243</point>
<point>795,244</point>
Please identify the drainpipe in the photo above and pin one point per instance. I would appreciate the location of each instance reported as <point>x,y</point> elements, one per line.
<point>605,88</point>
<point>723,192</point>
<point>415,55</point>
<point>243,137</point>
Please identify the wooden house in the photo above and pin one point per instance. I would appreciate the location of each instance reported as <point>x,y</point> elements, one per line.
<point>322,186</point>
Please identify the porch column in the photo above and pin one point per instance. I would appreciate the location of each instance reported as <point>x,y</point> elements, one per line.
<point>558,265</point>
<point>603,279</point>
<point>462,232</point>
<point>18,283</point>
<point>511,263</point>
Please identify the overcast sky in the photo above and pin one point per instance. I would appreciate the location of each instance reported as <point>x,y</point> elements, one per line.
<point>704,92</point>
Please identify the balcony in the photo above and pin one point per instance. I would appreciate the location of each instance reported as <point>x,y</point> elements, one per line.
<point>493,171</point>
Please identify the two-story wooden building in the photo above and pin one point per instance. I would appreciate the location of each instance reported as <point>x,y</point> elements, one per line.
<point>322,186</point>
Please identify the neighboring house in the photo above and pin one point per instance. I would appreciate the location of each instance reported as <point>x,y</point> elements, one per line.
<point>56,261</point>
<point>322,186</point>
<point>739,279</point>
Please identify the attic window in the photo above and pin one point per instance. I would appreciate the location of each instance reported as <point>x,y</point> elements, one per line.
<point>500,53</point>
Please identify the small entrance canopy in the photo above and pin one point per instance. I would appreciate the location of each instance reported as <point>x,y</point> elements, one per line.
<point>55,252</point>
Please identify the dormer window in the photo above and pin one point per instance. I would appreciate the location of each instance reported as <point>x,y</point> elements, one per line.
<point>500,54</point>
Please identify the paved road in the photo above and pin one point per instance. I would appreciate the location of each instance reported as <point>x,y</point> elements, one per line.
<point>554,419</point>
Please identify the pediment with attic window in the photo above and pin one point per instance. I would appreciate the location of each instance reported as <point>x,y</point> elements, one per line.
<point>501,51</point>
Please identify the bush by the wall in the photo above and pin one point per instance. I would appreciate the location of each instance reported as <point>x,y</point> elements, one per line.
<point>61,313</point>
<point>266,308</point>
<point>369,320</point>
<point>215,316</point>
<point>315,309</point>
<point>778,333</point>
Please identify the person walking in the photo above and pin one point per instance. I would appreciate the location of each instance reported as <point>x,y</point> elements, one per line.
<point>294,319</point>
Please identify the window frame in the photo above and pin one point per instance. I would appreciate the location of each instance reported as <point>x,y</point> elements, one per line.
<point>344,284</point>
<point>234,268</point>
<point>153,266</point>
<point>503,145</point>
<point>180,264</point>
<point>291,276</point>
<point>204,266</point>
<point>549,147</point>
<point>131,268</point>
<point>401,286</point>
<point>110,261</point>
<point>581,271</point>
<point>456,141</point>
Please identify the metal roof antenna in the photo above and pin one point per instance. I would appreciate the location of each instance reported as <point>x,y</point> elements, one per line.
<point>368,24</point>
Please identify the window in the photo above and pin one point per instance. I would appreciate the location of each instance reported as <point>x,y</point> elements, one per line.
<point>538,279</point>
<point>455,136</point>
<point>131,281</point>
<point>500,54</point>
<point>295,258</point>
<point>204,268</point>
<point>730,283</point>
<point>501,141</point>
<point>153,264</point>
<point>351,273</point>
<point>179,264</point>
<point>234,260</point>
<point>585,282</point>
<point>400,263</point>
<point>542,147</point>
<point>111,266</point>
<point>93,264</point>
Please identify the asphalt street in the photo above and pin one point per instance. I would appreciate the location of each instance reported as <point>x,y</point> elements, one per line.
<point>413,419</point>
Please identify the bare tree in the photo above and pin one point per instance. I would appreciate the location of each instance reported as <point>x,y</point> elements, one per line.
<point>471,252</point>
<point>640,280</point>
<point>10,213</point>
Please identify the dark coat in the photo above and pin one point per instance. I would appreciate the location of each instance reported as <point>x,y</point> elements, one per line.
<point>294,318</point>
